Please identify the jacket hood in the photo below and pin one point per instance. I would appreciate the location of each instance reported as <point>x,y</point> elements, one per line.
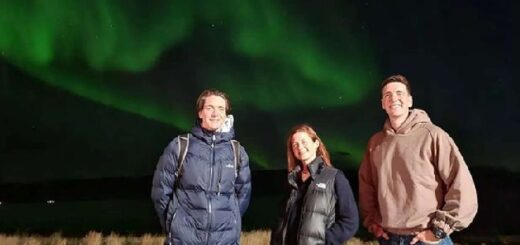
<point>416,117</point>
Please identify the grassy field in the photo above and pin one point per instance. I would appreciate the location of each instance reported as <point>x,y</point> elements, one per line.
<point>258,237</point>
<point>96,238</point>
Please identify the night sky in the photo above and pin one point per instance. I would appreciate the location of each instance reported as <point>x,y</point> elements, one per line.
<point>94,89</point>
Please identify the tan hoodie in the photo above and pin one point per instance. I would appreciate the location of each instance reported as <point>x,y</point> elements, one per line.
<point>413,177</point>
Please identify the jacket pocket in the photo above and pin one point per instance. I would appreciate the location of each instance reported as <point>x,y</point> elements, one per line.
<point>172,212</point>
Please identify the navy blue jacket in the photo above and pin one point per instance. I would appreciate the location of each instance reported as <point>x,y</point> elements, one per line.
<point>207,205</point>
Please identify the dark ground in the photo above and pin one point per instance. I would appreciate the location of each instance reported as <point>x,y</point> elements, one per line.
<point>122,205</point>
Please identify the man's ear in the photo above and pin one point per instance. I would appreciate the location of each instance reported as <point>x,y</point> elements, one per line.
<point>411,102</point>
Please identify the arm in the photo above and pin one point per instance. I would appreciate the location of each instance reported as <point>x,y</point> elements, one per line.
<point>368,203</point>
<point>347,217</point>
<point>243,182</point>
<point>163,181</point>
<point>460,199</point>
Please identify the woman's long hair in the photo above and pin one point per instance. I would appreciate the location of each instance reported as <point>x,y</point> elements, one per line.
<point>321,151</point>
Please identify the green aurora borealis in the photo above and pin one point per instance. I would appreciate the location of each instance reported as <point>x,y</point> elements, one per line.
<point>281,62</point>
<point>262,53</point>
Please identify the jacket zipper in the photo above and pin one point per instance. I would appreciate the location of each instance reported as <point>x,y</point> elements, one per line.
<point>210,185</point>
<point>219,170</point>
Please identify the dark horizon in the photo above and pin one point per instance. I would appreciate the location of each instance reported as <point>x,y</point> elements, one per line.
<point>494,186</point>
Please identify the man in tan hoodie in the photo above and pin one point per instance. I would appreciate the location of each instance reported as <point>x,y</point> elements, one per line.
<point>414,186</point>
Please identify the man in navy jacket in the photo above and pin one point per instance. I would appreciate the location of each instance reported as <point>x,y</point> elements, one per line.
<point>203,203</point>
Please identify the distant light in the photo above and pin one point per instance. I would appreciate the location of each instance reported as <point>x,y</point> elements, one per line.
<point>0,203</point>
<point>50,201</point>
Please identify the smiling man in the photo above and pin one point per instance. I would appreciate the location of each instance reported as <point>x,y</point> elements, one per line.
<point>202,184</point>
<point>414,186</point>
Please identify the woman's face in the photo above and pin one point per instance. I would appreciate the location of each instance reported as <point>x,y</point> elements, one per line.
<point>303,147</point>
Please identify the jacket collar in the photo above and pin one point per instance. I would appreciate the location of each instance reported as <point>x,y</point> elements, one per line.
<point>207,136</point>
<point>415,118</point>
<point>315,168</point>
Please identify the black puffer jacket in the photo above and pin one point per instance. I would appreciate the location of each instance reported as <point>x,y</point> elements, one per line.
<point>324,206</point>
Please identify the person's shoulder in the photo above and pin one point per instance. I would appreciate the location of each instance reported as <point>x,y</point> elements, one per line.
<point>434,130</point>
<point>341,179</point>
<point>340,174</point>
<point>377,135</point>
<point>333,170</point>
<point>174,143</point>
<point>376,138</point>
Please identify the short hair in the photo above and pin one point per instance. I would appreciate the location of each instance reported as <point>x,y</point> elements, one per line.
<point>209,92</point>
<point>321,151</point>
<point>397,78</point>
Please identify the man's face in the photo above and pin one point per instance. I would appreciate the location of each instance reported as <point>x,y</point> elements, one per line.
<point>213,113</point>
<point>396,101</point>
